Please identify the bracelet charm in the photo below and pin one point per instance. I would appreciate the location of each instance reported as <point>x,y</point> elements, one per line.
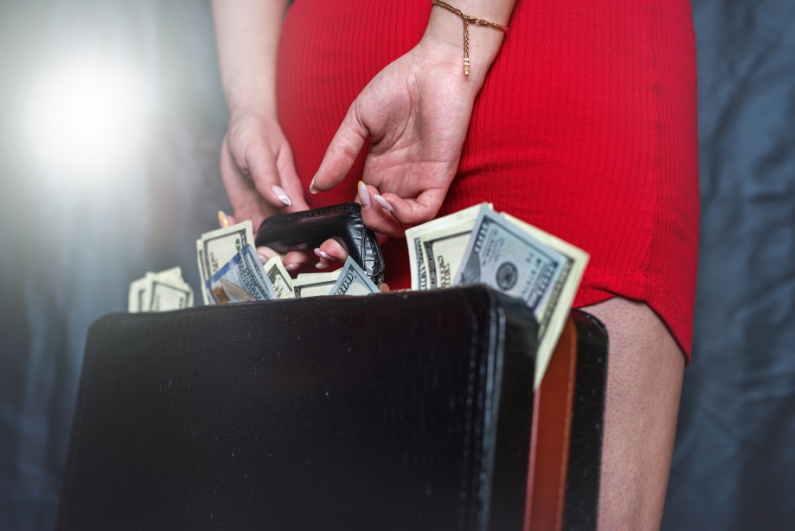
<point>467,21</point>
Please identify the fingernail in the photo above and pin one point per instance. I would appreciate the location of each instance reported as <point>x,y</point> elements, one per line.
<point>312,186</point>
<point>291,267</point>
<point>282,195</point>
<point>321,265</point>
<point>262,258</point>
<point>364,195</point>
<point>323,254</point>
<point>384,203</point>
<point>222,219</point>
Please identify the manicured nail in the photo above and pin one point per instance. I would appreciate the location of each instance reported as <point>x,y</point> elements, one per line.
<point>321,265</point>
<point>364,195</point>
<point>282,195</point>
<point>312,186</point>
<point>291,267</point>
<point>323,254</point>
<point>384,203</point>
<point>222,219</point>
<point>262,258</point>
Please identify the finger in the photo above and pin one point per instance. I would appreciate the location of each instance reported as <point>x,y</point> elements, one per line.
<point>384,287</point>
<point>341,153</point>
<point>294,259</point>
<point>246,202</point>
<point>290,182</point>
<point>266,179</point>
<point>374,215</point>
<point>267,252</point>
<point>381,221</point>
<point>332,250</point>
<point>413,211</point>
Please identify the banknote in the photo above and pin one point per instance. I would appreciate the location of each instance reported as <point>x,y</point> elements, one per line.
<point>520,260</point>
<point>456,222</point>
<point>315,284</point>
<point>241,279</point>
<point>353,281</point>
<point>166,294</point>
<point>442,252</point>
<point>137,295</point>
<point>216,248</point>
<point>161,291</point>
<point>280,279</point>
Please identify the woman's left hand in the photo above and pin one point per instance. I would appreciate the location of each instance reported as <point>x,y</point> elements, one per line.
<point>415,113</point>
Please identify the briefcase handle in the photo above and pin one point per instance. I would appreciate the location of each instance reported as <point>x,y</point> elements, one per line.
<point>306,230</point>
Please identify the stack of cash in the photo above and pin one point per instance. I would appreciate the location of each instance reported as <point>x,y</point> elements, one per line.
<point>481,246</point>
<point>160,292</point>
<point>474,246</point>
<point>232,271</point>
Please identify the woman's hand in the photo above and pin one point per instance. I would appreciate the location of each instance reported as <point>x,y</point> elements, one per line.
<point>259,175</point>
<point>257,169</point>
<point>416,114</point>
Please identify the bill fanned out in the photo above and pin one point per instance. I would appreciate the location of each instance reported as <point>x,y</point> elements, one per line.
<point>353,281</point>
<point>160,292</point>
<point>241,279</point>
<point>456,222</point>
<point>315,284</point>
<point>216,248</point>
<point>280,279</point>
<point>520,260</point>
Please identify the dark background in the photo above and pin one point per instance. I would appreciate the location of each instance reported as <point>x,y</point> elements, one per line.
<point>71,241</point>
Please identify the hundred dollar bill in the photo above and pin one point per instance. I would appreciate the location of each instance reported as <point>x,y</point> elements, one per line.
<point>168,294</point>
<point>137,296</point>
<point>202,273</point>
<point>315,284</point>
<point>216,248</point>
<point>353,281</point>
<point>459,222</point>
<point>518,259</point>
<point>160,291</point>
<point>241,279</point>
<point>280,279</point>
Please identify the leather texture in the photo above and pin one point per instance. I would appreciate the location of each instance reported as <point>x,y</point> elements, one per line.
<point>306,230</point>
<point>587,424</point>
<point>566,447</point>
<point>392,411</point>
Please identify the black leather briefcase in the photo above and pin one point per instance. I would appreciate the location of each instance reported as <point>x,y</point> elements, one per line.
<point>404,411</point>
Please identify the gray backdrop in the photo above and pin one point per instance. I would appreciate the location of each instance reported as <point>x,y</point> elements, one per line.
<point>71,245</point>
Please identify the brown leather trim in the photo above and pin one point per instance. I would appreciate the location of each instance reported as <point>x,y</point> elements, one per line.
<point>549,445</point>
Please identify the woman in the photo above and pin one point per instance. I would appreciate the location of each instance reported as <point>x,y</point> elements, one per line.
<point>580,119</point>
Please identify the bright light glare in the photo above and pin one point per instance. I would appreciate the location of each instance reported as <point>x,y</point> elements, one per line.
<point>85,115</point>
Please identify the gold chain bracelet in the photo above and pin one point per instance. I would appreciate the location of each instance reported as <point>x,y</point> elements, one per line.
<point>467,21</point>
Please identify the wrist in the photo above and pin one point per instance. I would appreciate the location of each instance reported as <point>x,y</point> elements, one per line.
<point>446,35</point>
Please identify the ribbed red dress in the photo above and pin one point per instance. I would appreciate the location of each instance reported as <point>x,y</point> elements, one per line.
<point>585,127</point>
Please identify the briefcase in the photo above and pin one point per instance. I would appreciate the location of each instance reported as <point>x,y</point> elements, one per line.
<point>392,411</point>
<point>398,411</point>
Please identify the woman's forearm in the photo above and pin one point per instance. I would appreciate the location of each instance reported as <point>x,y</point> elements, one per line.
<point>247,35</point>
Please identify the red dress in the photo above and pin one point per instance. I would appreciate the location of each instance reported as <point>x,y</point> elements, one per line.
<point>585,127</point>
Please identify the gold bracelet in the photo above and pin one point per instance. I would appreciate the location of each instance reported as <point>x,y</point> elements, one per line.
<point>467,21</point>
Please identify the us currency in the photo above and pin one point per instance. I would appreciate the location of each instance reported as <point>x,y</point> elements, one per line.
<point>158,292</point>
<point>520,260</point>
<point>460,223</point>
<point>241,279</point>
<point>280,279</point>
<point>353,281</point>
<point>314,284</point>
<point>216,248</point>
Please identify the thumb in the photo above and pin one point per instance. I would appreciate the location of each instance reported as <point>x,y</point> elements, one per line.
<point>341,153</point>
